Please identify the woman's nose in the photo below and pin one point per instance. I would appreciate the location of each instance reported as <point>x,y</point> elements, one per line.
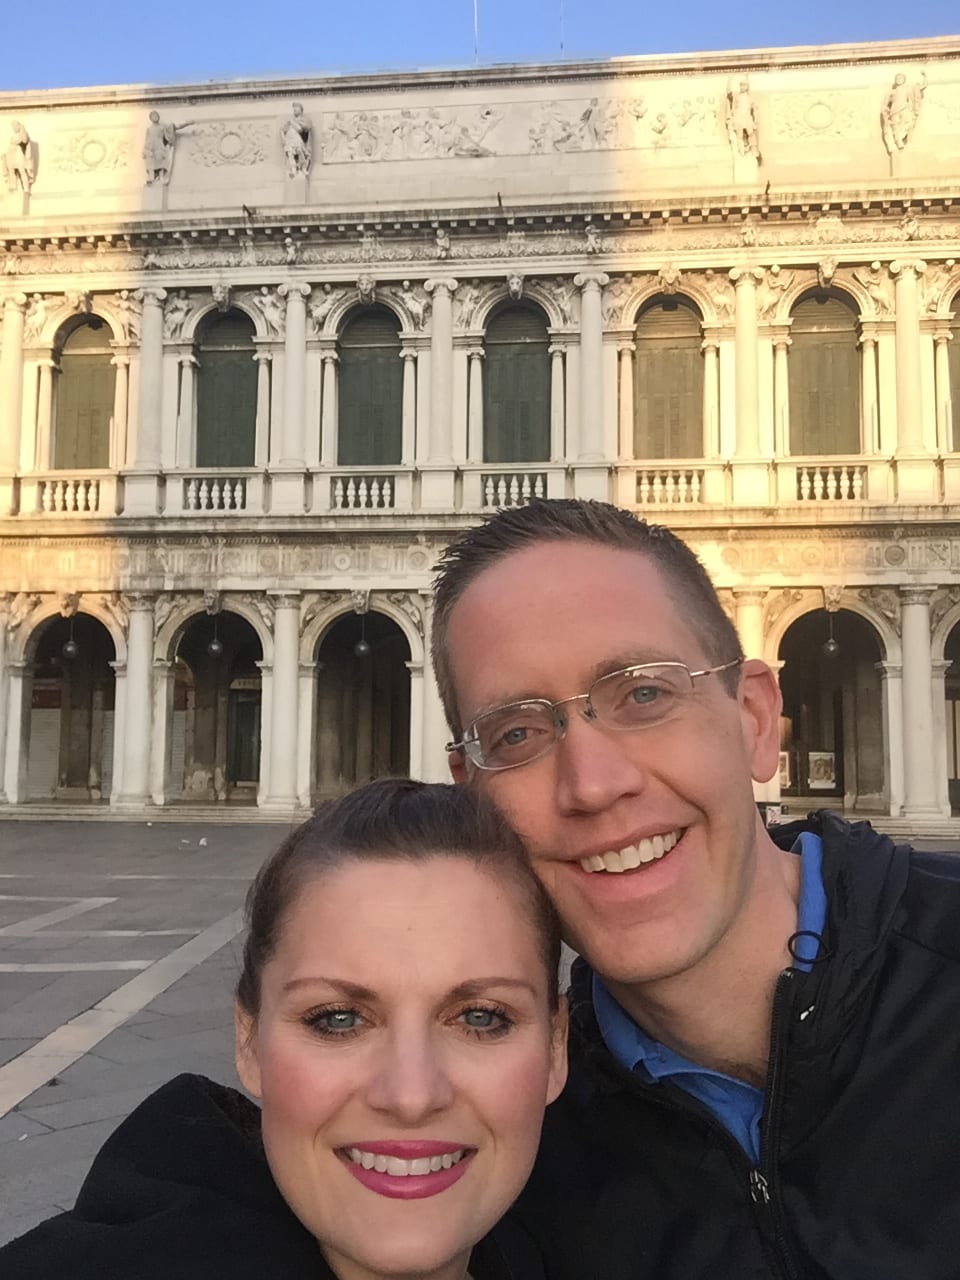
<point>412,1081</point>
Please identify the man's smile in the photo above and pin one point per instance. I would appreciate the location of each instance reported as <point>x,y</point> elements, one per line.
<point>631,856</point>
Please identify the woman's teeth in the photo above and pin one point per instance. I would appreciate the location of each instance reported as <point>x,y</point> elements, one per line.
<point>398,1168</point>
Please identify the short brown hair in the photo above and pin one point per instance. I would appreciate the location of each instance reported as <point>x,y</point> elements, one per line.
<point>578,520</point>
<point>393,819</point>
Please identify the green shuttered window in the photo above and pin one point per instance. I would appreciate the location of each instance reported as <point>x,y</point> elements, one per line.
<point>371,390</point>
<point>226,392</point>
<point>84,398</point>
<point>668,382</point>
<point>824,378</point>
<point>516,386</point>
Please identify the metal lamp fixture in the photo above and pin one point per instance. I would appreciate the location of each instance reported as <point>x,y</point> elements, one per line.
<point>362,648</point>
<point>215,646</point>
<point>70,649</point>
<point>830,647</point>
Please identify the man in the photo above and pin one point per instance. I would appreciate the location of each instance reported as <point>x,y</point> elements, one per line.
<point>765,1035</point>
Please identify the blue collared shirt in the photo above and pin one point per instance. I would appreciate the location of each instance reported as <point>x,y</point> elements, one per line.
<point>737,1105</point>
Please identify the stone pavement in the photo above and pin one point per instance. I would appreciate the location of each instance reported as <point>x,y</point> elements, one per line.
<point>119,947</point>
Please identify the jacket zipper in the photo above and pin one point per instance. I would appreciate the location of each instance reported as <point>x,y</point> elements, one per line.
<point>763,1180</point>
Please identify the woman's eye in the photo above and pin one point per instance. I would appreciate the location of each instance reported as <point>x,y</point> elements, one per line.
<point>486,1022</point>
<point>334,1022</point>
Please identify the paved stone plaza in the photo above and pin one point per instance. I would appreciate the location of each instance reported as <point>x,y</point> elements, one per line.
<point>119,949</point>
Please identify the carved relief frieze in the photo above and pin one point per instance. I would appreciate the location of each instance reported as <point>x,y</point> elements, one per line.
<point>89,151</point>
<point>175,311</point>
<point>778,602</point>
<point>943,600</point>
<point>934,282</point>
<point>875,279</point>
<point>408,602</point>
<point>822,115</point>
<point>322,301</point>
<point>234,142</point>
<point>614,297</point>
<point>885,601</point>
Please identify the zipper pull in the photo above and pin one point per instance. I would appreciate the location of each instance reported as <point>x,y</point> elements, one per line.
<point>759,1188</point>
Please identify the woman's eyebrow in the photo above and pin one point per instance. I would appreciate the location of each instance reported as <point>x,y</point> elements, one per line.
<point>352,990</point>
<point>477,986</point>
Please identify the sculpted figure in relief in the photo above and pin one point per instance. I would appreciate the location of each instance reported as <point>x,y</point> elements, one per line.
<point>36,317</point>
<point>901,111</point>
<point>175,312</point>
<point>775,284</point>
<point>296,136</point>
<point>19,165</point>
<point>322,304</point>
<point>515,285</point>
<point>159,144</point>
<point>876,281</point>
<point>274,311</point>
<point>416,302</point>
<point>742,120</point>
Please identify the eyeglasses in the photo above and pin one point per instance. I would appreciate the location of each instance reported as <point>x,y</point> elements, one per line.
<point>640,697</point>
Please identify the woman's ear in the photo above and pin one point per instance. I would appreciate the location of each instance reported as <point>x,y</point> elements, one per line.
<point>558,1051</point>
<point>245,1050</point>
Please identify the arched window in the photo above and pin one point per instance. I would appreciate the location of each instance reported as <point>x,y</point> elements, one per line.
<point>953,360</point>
<point>668,381</point>
<point>516,386</point>
<point>824,377</point>
<point>226,391</point>
<point>370,431</point>
<point>84,397</point>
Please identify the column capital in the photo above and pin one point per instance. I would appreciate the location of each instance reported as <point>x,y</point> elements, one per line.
<point>139,601</point>
<point>745,275</point>
<point>749,595</point>
<point>906,267</point>
<point>625,347</point>
<point>16,302</point>
<point>441,285</point>
<point>295,290</point>
<point>152,296</point>
<point>188,358</point>
<point>120,358</point>
<point>329,356</point>
<point>283,598</point>
<point>913,594</point>
<point>406,353</point>
<point>475,353</point>
<point>591,281</point>
<point>942,336</point>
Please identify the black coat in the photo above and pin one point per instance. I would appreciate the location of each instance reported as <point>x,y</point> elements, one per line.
<point>182,1191</point>
<point>859,1177</point>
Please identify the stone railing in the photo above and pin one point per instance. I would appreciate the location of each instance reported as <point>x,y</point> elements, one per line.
<point>88,493</point>
<point>680,482</point>
<point>362,490</point>
<point>823,480</point>
<point>489,487</point>
<point>215,492</point>
<point>669,486</point>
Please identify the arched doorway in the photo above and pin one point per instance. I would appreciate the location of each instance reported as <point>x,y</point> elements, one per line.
<point>215,738</point>
<point>363,703</point>
<point>72,701</point>
<point>832,732</point>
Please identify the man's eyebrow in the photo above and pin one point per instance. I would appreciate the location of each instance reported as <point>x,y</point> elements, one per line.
<point>616,662</point>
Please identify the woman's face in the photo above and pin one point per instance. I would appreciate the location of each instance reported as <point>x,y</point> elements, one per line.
<point>403,1055</point>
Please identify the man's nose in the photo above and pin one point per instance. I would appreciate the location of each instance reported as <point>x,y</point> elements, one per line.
<point>596,766</point>
<point>412,1080</point>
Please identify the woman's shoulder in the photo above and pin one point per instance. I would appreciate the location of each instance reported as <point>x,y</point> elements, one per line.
<point>180,1188</point>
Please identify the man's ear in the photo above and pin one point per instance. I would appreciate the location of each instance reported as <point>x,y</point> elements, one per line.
<point>760,705</point>
<point>558,1051</point>
<point>245,1050</point>
<point>458,766</point>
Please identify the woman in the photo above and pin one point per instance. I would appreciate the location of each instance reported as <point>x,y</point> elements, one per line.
<point>398,1020</point>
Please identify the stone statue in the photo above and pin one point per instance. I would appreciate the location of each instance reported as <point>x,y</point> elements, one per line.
<point>515,285</point>
<point>274,311</point>
<point>594,240</point>
<point>901,111</point>
<point>416,302</point>
<point>742,120</point>
<point>443,242</point>
<point>36,317</point>
<point>367,289</point>
<point>19,165</point>
<point>175,312</point>
<point>159,143</point>
<point>322,304</point>
<point>296,135</point>
<point>876,281</point>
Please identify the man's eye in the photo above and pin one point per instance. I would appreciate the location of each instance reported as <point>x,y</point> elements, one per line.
<point>645,693</point>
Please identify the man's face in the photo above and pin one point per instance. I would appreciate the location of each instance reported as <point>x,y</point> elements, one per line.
<point>546,622</point>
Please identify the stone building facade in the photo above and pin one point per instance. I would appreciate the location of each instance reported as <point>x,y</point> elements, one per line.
<point>267,345</point>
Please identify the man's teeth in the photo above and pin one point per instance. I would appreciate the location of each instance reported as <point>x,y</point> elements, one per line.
<point>398,1168</point>
<point>634,855</point>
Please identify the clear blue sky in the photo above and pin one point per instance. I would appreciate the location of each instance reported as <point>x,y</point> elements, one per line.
<point>65,42</point>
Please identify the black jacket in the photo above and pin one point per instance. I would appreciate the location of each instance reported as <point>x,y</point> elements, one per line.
<point>181,1191</point>
<point>859,1177</point>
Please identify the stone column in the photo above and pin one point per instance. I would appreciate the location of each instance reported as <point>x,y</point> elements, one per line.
<point>711,396</point>
<point>869,423</point>
<point>17,731</point>
<point>264,360</point>
<point>920,798</point>
<point>11,401</point>
<point>945,407</point>
<point>409,413</point>
<point>287,478</point>
<point>282,793</point>
<point>892,710</point>
<point>437,478</point>
<point>909,425</point>
<point>747,384</point>
<point>938,697</point>
<point>625,434</point>
<point>781,395</point>
<point>475,405</point>
<point>5,601</point>
<point>416,718</point>
<point>186,444</point>
<point>749,603</point>
<point>118,442</point>
<point>141,483</point>
<point>557,403</point>
<point>591,286</point>
<point>434,767</point>
<point>328,410</point>
<point>44,454</point>
<point>134,748</point>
